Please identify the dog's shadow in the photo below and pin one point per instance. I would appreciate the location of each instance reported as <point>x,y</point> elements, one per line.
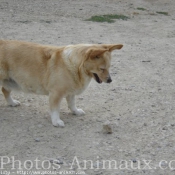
<point>66,116</point>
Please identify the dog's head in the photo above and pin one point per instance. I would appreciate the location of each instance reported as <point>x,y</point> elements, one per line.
<point>98,61</point>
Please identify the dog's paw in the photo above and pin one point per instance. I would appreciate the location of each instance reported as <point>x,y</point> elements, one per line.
<point>58,123</point>
<point>14,103</point>
<point>78,112</point>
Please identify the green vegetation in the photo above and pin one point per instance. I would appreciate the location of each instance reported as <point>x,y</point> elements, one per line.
<point>163,13</point>
<point>100,19</point>
<point>140,8</point>
<point>107,18</point>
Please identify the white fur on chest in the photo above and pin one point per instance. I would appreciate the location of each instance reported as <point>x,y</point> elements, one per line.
<point>72,64</point>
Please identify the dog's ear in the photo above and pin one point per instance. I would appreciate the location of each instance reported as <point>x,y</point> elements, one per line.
<point>96,53</point>
<point>90,53</point>
<point>112,47</point>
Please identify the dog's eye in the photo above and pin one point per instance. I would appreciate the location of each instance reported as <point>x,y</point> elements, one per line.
<point>102,69</point>
<point>97,57</point>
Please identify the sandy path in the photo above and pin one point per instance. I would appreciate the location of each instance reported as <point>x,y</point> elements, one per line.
<point>139,103</point>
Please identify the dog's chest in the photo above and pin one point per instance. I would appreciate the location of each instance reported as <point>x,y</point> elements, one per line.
<point>82,88</point>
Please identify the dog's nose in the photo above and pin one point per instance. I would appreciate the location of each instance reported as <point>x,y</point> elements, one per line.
<point>109,80</point>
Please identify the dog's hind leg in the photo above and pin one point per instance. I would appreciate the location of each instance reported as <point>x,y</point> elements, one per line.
<point>54,101</point>
<point>9,99</point>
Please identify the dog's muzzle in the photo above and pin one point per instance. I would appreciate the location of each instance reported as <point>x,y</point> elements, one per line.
<point>109,80</point>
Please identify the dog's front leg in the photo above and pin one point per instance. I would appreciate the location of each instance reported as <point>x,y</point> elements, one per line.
<point>54,101</point>
<point>71,105</point>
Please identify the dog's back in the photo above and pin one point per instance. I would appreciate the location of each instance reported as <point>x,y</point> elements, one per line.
<point>21,61</point>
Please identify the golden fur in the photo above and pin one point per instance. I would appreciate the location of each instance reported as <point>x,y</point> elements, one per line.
<point>59,72</point>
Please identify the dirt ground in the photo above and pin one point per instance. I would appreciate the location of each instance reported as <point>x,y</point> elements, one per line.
<point>139,103</point>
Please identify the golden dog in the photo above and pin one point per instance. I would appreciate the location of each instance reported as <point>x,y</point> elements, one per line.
<point>59,72</point>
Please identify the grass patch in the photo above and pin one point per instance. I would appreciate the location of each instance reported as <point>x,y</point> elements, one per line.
<point>100,19</point>
<point>140,8</point>
<point>115,16</point>
<point>163,13</point>
<point>107,18</point>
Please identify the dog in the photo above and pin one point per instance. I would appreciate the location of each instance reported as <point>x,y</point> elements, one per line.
<point>58,72</point>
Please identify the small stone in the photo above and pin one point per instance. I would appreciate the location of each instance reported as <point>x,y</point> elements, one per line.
<point>37,140</point>
<point>107,127</point>
<point>165,128</point>
<point>163,164</point>
<point>134,160</point>
<point>51,160</point>
<point>59,161</point>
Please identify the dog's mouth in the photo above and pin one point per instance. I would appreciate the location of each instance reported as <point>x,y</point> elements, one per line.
<point>98,80</point>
